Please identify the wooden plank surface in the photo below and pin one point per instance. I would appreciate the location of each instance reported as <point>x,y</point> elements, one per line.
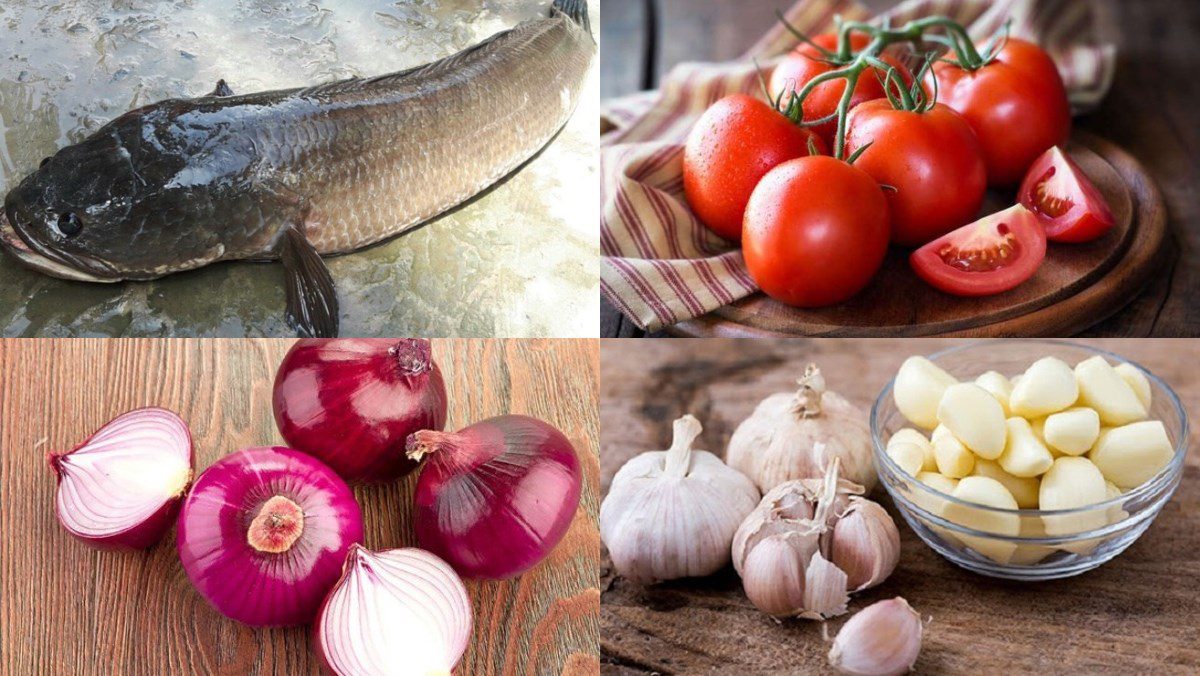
<point>1148,112</point>
<point>1136,614</point>
<point>70,609</point>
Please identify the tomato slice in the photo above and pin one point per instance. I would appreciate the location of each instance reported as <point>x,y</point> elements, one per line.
<point>1068,205</point>
<point>989,256</point>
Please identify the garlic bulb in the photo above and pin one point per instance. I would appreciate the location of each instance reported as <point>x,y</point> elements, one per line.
<point>810,543</point>
<point>882,639</point>
<point>672,514</point>
<point>796,435</point>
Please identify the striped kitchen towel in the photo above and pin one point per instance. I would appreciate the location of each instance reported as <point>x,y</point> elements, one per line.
<point>661,266</point>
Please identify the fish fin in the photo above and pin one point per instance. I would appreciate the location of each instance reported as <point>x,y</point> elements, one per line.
<point>312,303</point>
<point>575,10</point>
<point>221,89</point>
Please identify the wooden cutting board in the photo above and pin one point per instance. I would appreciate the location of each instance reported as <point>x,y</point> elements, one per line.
<point>1077,285</point>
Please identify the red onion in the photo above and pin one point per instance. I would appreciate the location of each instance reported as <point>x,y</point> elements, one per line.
<point>264,533</point>
<point>495,497</point>
<point>121,487</point>
<point>352,403</point>
<point>398,611</point>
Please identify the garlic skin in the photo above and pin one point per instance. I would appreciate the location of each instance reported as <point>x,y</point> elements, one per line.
<point>796,435</point>
<point>672,514</point>
<point>883,639</point>
<point>809,544</point>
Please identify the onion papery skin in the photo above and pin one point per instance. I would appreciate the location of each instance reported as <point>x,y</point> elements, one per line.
<point>96,499</point>
<point>397,611</point>
<point>495,498</point>
<point>352,402</point>
<point>261,588</point>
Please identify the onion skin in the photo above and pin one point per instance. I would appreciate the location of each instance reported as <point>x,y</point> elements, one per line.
<point>256,587</point>
<point>151,529</point>
<point>356,631</point>
<point>351,403</point>
<point>495,498</point>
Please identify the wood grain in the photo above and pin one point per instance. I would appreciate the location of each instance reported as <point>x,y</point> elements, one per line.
<point>1136,614</point>
<point>69,609</point>
<point>1148,112</point>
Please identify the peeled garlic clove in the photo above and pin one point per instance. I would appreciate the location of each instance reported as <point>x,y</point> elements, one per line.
<point>1047,386</point>
<point>917,390</point>
<point>1137,381</point>
<point>912,436</point>
<point>1069,483</point>
<point>882,639</point>
<point>933,503</point>
<point>1131,454</point>
<point>1115,513</point>
<point>998,386</point>
<point>953,459</point>
<point>1024,454</point>
<point>974,417</point>
<point>908,456</point>
<point>1024,489</point>
<point>1071,432</point>
<point>865,544</point>
<point>989,493</point>
<point>1103,389</point>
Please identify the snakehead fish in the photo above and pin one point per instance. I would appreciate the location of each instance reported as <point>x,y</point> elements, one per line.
<point>299,173</point>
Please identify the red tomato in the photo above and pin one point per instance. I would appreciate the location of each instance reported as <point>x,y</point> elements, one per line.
<point>816,231</point>
<point>1069,207</point>
<point>734,143</point>
<point>989,256</point>
<point>804,63</point>
<point>933,161</point>
<point>1016,104</point>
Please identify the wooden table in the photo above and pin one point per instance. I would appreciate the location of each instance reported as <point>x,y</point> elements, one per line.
<point>1150,112</point>
<point>1136,614</point>
<point>70,609</point>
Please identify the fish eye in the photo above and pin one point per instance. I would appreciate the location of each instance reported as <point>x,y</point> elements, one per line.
<point>69,224</point>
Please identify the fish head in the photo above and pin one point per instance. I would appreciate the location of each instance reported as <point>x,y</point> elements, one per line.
<point>98,211</point>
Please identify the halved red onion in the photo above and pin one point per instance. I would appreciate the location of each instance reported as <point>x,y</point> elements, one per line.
<point>353,402</point>
<point>396,611</point>
<point>264,533</point>
<point>121,487</point>
<point>495,497</point>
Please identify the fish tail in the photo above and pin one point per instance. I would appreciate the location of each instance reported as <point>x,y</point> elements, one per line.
<point>575,10</point>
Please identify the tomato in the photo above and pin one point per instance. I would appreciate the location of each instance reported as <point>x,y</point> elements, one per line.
<point>989,256</point>
<point>933,161</point>
<point>804,63</point>
<point>816,231</point>
<point>1016,104</point>
<point>734,144</point>
<point>1069,207</point>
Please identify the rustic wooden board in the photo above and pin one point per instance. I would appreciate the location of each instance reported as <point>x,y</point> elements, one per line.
<point>1136,614</point>
<point>897,302</point>
<point>69,609</point>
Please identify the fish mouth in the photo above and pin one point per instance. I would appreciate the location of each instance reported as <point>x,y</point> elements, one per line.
<point>59,264</point>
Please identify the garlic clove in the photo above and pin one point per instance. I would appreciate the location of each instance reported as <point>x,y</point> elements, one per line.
<point>974,417</point>
<point>1103,389</point>
<point>1071,483</point>
<point>911,435</point>
<point>1071,432</point>
<point>953,459</point>
<point>1024,454</point>
<point>1136,379</point>
<point>865,544</point>
<point>918,388</point>
<point>1047,386</point>
<point>1024,489</point>
<point>882,639</point>
<point>1132,454</point>
<point>908,456</point>
<point>774,575</point>
<point>998,386</point>
<point>987,492</point>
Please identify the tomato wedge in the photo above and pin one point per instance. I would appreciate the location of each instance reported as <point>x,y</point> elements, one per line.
<point>989,256</point>
<point>1068,205</point>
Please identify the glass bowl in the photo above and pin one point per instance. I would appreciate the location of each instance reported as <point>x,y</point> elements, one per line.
<point>1013,543</point>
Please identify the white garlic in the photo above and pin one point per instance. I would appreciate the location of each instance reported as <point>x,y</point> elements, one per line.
<point>1070,483</point>
<point>882,639</point>
<point>953,459</point>
<point>809,544</point>
<point>1071,432</point>
<point>1047,386</point>
<point>987,492</point>
<point>908,456</point>
<point>797,435</point>
<point>910,435</point>
<point>1024,489</point>
<point>918,388</point>
<point>1136,380</point>
<point>1024,454</point>
<point>998,386</point>
<point>1131,454</point>
<point>672,514</point>
<point>1103,389</point>
<point>974,417</point>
